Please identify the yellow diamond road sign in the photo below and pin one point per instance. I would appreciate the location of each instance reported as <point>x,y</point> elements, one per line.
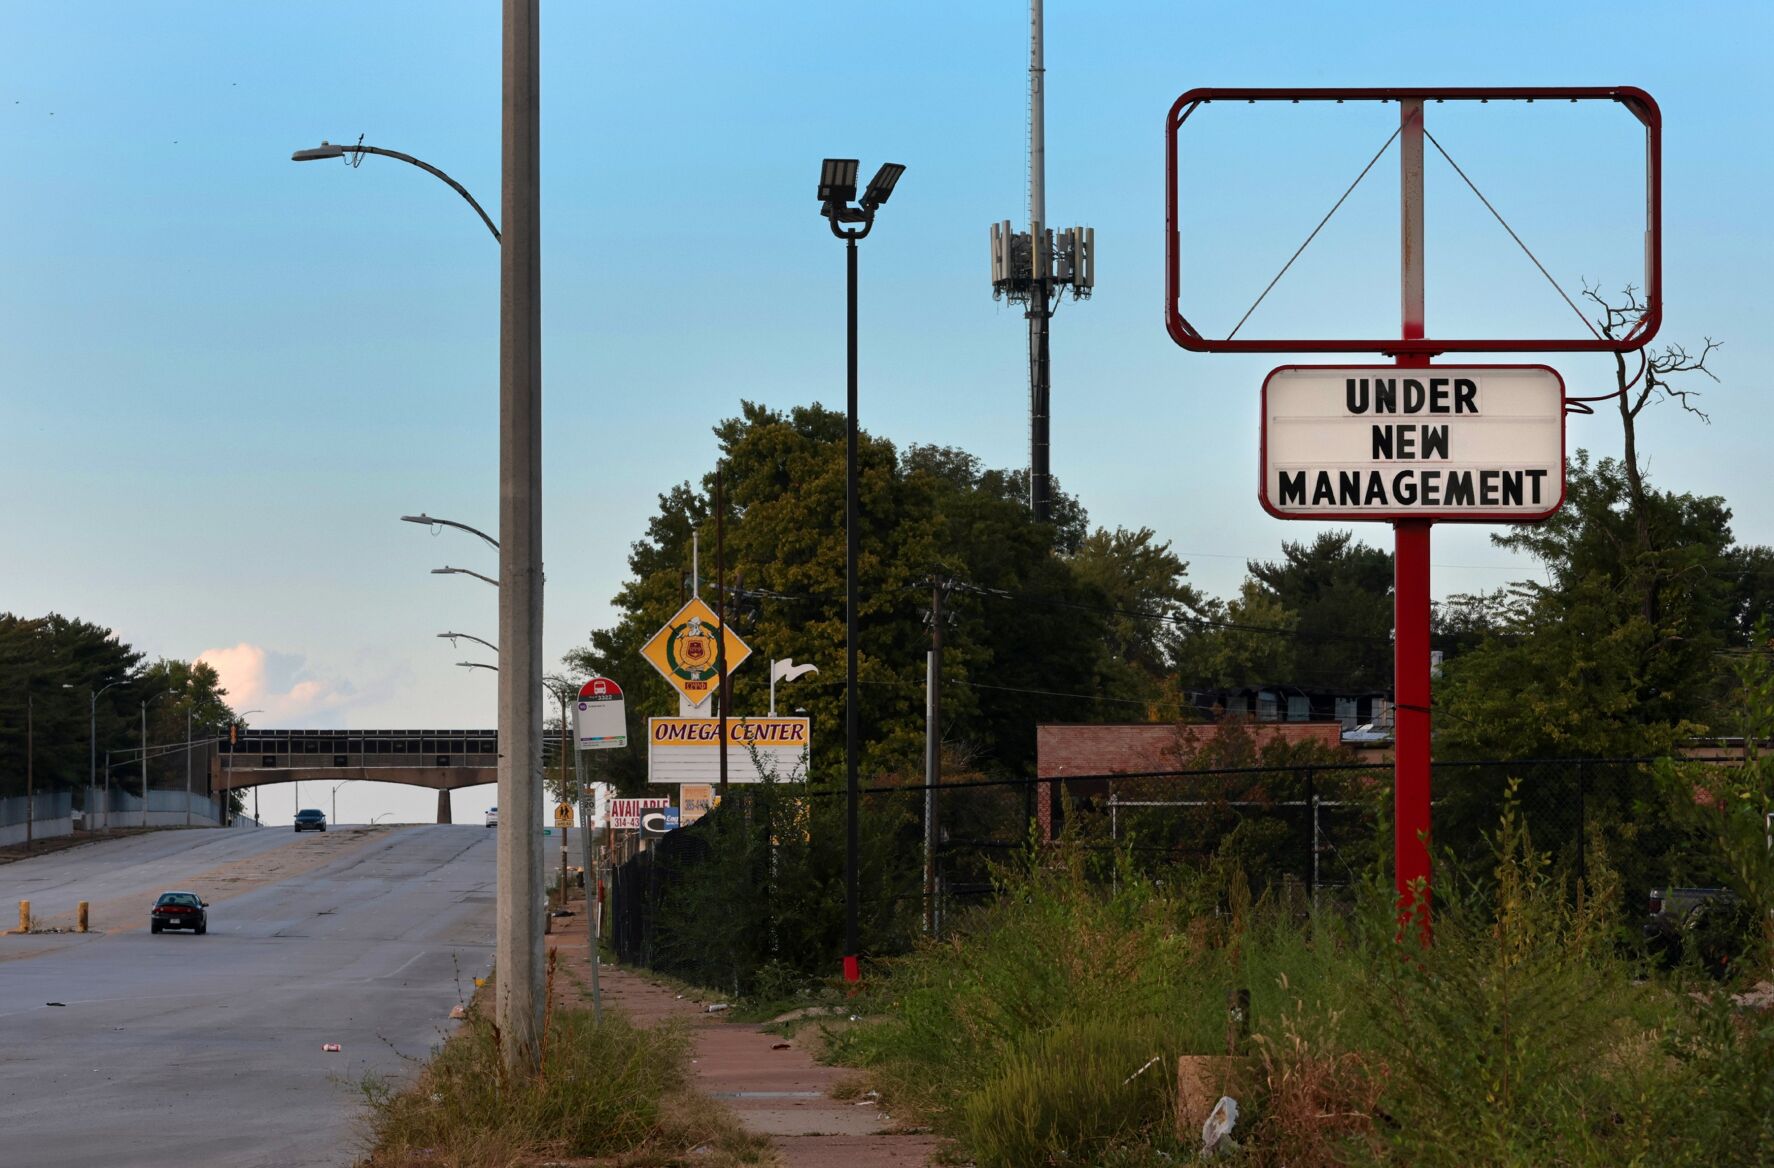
<point>686,651</point>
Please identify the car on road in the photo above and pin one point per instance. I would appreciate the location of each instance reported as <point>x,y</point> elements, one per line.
<point>179,910</point>
<point>310,819</point>
<point>492,817</point>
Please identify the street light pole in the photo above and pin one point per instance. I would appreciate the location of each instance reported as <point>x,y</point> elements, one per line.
<point>92,761</point>
<point>30,770</point>
<point>837,187</point>
<point>518,938</point>
<point>518,948</point>
<point>188,712</point>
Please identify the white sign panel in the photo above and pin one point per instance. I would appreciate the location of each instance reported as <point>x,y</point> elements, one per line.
<point>687,750</point>
<point>600,716</point>
<point>1472,443</point>
<point>626,814</point>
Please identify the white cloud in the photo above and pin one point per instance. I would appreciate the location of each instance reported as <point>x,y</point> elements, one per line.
<point>279,684</point>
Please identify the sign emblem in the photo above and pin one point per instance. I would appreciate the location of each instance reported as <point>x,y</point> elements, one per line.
<point>687,651</point>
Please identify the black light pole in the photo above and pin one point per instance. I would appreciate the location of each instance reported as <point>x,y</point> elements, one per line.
<point>837,190</point>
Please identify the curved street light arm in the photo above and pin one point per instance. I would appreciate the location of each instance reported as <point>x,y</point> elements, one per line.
<point>470,637</point>
<point>432,521</point>
<point>328,150</point>
<point>447,570</point>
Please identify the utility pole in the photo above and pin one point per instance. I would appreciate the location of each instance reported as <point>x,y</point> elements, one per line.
<point>1035,268</point>
<point>721,620</point>
<point>144,762</point>
<point>30,769</point>
<point>518,947</point>
<point>932,751</point>
<point>188,767</point>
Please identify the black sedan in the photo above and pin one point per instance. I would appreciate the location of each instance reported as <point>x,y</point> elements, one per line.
<point>310,819</point>
<point>179,910</point>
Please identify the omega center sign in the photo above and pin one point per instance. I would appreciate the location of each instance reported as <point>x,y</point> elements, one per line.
<point>1469,442</point>
<point>690,652</point>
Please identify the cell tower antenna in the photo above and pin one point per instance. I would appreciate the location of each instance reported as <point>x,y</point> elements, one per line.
<point>1036,267</point>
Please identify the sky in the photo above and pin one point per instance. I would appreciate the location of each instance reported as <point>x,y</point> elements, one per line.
<point>224,376</point>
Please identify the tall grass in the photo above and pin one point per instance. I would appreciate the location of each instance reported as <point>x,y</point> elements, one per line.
<point>1527,1034</point>
<point>609,1090</point>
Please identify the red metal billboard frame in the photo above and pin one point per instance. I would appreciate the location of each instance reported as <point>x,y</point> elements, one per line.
<point>1639,103</point>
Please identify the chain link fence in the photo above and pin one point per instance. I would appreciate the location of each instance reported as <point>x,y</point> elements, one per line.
<point>755,890</point>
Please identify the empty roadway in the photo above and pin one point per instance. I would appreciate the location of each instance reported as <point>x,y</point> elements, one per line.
<point>179,1051</point>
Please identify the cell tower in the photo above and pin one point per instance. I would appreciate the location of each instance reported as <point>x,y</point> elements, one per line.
<point>1035,268</point>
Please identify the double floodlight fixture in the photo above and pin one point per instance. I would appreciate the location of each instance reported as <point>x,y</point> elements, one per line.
<point>881,186</point>
<point>837,180</point>
<point>837,191</point>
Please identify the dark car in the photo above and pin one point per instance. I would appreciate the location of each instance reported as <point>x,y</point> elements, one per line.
<point>1713,924</point>
<point>179,910</point>
<point>310,819</point>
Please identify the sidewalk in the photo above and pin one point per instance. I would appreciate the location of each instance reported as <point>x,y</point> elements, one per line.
<point>771,1084</point>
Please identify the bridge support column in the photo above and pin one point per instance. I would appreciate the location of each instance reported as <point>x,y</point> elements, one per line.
<point>443,807</point>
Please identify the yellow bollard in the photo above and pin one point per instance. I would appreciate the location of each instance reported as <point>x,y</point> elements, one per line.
<point>80,918</point>
<point>24,916</point>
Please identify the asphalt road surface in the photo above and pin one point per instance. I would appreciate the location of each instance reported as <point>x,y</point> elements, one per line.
<point>179,1051</point>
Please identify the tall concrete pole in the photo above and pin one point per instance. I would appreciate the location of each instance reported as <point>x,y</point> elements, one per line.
<point>518,944</point>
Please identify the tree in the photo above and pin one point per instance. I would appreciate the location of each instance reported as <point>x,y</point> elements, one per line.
<point>1248,640</point>
<point>1341,594</point>
<point>1028,635</point>
<point>1577,665</point>
<point>54,664</point>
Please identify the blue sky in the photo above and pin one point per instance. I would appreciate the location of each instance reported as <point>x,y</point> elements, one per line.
<point>223,376</point>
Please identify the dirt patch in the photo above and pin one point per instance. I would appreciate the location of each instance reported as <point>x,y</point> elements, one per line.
<point>61,843</point>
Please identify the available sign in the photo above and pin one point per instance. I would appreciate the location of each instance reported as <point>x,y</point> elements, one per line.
<point>600,717</point>
<point>687,651</point>
<point>625,814</point>
<point>1479,443</point>
<point>687,750</point>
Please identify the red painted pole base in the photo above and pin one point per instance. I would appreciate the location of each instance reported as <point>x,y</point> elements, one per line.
<point>1411,750</point>
<point>852,969</point>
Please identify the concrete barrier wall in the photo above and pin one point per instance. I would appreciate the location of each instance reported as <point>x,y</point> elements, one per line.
<point>165,809</point>
<point>51,814</point>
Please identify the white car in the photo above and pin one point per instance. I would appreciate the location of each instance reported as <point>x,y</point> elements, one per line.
<point>492,817</point>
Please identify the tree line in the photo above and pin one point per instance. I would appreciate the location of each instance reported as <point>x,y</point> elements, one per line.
<point>1622,650</point>
<point>67,684</point>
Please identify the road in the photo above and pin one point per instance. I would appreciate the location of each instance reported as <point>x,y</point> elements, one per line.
<point>178,1051</point>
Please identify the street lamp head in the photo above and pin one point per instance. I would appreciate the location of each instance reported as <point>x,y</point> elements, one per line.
<point>837,180</point>
<point>881,186</point>
<point>316,154</point>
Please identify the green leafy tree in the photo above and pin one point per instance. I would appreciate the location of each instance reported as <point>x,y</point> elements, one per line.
<point>1575,666</point>
<point>1028,633</point>
<point>1249,640</point>
<point>54,664</point>
<point>1340,592</point>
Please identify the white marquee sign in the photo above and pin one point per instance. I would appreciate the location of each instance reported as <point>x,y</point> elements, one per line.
<point>1465,442</point>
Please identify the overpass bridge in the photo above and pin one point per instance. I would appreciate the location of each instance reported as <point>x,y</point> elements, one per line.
<point>440,759</point>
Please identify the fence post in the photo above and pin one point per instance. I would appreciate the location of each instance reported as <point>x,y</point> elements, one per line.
<point>1312,798</point>
<point>1582,823</point>
<point>1237,1020</point>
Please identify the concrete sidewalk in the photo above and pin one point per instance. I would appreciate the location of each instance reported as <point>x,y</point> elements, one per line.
<point>771,1084</point>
